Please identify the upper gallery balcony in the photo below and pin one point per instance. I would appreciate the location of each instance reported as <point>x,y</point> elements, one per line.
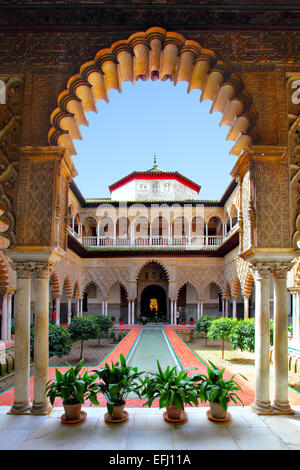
<point>192,242</point>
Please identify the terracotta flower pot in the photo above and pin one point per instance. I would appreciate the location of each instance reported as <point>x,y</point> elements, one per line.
<point>173,412</point>
<point>118,411</point>
<point>72,411</point>
<point>183,322</point>
<point>191,322</point>
<point>217,411</point>
<point>121,322</point>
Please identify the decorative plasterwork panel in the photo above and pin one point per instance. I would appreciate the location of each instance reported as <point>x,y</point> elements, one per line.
<point>10,139</point>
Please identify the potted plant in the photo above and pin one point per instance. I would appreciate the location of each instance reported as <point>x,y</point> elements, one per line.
<point>113,320</point>
<point>74,388</point>
<point>121,321</point>
<point>218,392</point>
<point>183,318</point>
<point>116,382</point>
<point>191,320</point>
<point>173,389</point>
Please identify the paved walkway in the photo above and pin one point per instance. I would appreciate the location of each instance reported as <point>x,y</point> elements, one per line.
<point>146,430</point>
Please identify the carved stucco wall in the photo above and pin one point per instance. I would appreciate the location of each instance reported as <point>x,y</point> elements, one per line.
<point>11,117</point>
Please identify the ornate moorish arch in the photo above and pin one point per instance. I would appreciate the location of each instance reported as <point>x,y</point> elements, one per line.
<point>155,54</point>
<point>183,283</point>
<point>158,263</point>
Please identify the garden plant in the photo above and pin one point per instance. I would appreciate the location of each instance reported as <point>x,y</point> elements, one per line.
<point>83,329</point>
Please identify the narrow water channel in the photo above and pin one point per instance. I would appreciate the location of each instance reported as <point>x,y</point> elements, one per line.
<point>152,346</point>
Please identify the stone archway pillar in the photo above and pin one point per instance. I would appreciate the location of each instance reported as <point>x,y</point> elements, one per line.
<point>81,306</point>
<point>69,310</point>
<point>198,309</point>
<point>262,404</point>
<point>234,307</point>
<point>57,309</point>
<point>21,402</point>
<point>171,312</point>
<point>41,339</point>
<point>9,313</point>
<point>297,322</point>
<point>246,307</point>
<point>281,402</point>
<point>4,320</point>
<point>226,307</point>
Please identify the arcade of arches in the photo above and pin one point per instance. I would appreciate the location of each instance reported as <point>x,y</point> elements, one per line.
<point>241,262</point>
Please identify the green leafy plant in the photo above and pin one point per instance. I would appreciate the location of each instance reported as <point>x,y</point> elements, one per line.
<point>221,329</point>
<point>214,388</point>
<point>243,335</point>
<point>204,323</point>
<point>83,328</point>
<point>104,323</point>
<point>117,381</point>
<point>182,316</point>
<point>72,386</point>
<point>60,343</point>
<point>171,387</point>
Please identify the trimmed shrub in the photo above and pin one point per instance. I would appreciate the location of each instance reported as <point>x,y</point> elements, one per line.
<point>204,323</point>
<point>221,329</point>
<point>243,335</point>
<point>59,341</point>
<point>84,328</point>
<point>104,323</point>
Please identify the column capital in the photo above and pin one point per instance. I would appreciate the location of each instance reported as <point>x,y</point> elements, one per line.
<point>261,270</point>
<point>280,270</point>
<point>42,269</point>
<point>23,269</point>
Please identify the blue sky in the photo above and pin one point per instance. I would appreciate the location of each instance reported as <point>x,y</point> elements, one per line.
<point>147,118</point>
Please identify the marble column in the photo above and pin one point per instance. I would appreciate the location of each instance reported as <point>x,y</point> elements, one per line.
<point>262,404</point>
<point>21,402</point>
<point>77,308</point>
<point>103,307</point>
<point>297,329</point>
<point>175,312</point>
<point>40,403</point>
<point>57,310</point>
<point>171,312</point>
<point>201,308</point>
<point>226,307</point>
<point>246,307</point>
<point>223,307</point>
<point>129,312</point>
<point>198,309</point>
<point>81,306</point>
<point>4,316</point>
<point>132,312</point>
<point>281,402</point>
<point>9,314</point>
<point>69,310</point>
<point>234,307</point>
<point>106,307</point>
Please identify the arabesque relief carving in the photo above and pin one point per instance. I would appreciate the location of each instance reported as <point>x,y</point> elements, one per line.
<point>10,139</point>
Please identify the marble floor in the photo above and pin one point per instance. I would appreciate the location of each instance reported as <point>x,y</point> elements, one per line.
<point>146,430</point>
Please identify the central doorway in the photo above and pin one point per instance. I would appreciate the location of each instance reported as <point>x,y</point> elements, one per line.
<point>153,301</point>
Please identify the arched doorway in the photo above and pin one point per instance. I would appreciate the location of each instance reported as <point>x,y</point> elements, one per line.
<point>153,301</point>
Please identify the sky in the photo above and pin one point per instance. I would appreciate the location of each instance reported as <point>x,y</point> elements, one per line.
<point>153,118</point>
